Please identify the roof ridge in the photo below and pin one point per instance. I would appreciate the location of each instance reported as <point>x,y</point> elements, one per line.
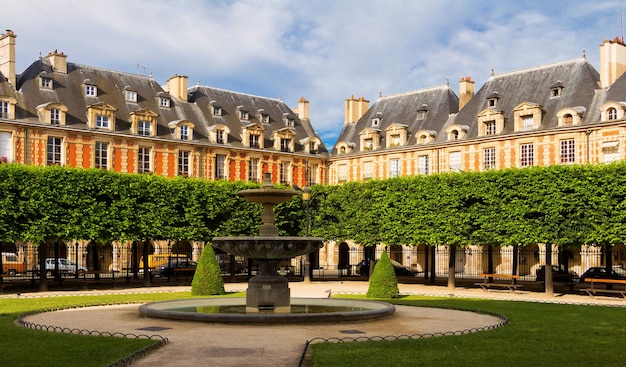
<point>240,93</point>
<point>82,66</point>
<point>539,67</point>
<point>415,91</point>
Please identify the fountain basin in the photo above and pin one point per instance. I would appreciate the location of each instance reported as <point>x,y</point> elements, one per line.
<point>268,247</point>
<point>322,310</point>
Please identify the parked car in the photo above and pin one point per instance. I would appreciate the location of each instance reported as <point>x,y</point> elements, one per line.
<point>601,272</point>
<point>399,269</point>
<point>63,266</point>
<point>182,268</point>
<point>11,265</point>
<point>558,274</point>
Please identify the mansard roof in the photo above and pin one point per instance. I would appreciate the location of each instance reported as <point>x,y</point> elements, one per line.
<point>231,102</point>
<point>436,103</point>
<point>577,78</point>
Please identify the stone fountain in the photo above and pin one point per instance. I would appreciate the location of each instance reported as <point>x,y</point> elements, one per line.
<point>268,298</point>
<point>268,290</point>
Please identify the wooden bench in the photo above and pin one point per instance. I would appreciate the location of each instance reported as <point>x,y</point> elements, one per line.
<point>591,291</point>
<point>488,278</point>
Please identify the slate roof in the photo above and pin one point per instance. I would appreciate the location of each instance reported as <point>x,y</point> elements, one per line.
<point>440,102</point>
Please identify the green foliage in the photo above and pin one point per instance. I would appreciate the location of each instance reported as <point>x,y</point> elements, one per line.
<point>208,277</point>
<point>384,283</point>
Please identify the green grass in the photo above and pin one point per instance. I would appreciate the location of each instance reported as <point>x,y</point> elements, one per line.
<point>26,347</point>
<point>538,334</point>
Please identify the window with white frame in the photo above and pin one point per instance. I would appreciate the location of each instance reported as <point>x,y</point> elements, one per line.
<point>6,146</point>
<point>395,140</point>
<point>490,127</point>
<point>253,169</point>
<point>45,83</point>
<point>312,147</point>
<point>527,155</point>
<point>244,115</point>
<point>220,166</point>
<point>143,160</point>
<point>91,90</point>
<point>216,110</point>
<point>164,102</point>
<point>489,158</point>
<point>254,140</point>
<point>4,109</point>
<point>55,116</point>
<point>567,151</point>
<point>423,164</point>
<point>102,121</point>
<point>342,173</point>
<point>611,113</point>
<point>610,151</point>
<point>311,175</point>
<point>284,172</point>
<point>368,144</point>
<point>265,118</point>
<point>394,168</point>
<point>285,145</point>
<point>101,155</point>
<point>54,151</point>
<point>455,161</point>
<point>183,162</point>
<point>144,128</point>
<point>184,132</point>
<point>528,123</point>
<point>130,95</point>
<point>368,170</point>
<point>219,136</point>
<point>290,122</point>
<point>375,122</point>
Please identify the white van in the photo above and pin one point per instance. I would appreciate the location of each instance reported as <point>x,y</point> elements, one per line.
<point>63,266</point>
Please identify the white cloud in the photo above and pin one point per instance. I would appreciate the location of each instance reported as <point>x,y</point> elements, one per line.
<point>324,50</point>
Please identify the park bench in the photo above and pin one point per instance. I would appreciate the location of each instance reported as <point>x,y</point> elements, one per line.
<point>488,282</point>
<point>592,290</point>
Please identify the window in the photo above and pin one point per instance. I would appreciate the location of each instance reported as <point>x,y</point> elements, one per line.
<point>6,151</point>
<point>219,136</point>
<point>220,166</point>
<point>567,151</point>
<point>312,147</point>
<point>184,132</point>
<point>492,102</point>
<point>144,128</point>
<point>610,151</point>
<point>394,168</point>
<point>183,162</point>
<point>375,122</point>
<point>4,109</point>
<point>265,118</point>
<point>143,160</point>
<point>342,173</point>
<point>342,150</point>
<point>568,120</point>
<point>454,135</point>
<point>244,115</point>
<point>91,90</point>
<point>527,155</point>
<point>253,170</point>
<point>489,158</point>
<point>528,123</point>
<point>285,145</point>
<point>423,164</point>
<point>395,140</point>
<point>284,172</point>
<point>55,116</point>
<point>555,92</point>
<point>102,155</point>
<point>611,113</point>
<point>46,83</point>
<point>368,170</point>
<point>216,110</point>
<point>455,161</point>
<point>311,175</point>
<point>54,151</point>
<point>290,122</point>
<point>131,96</point>
<point>164,102</point>
<point>102,121</point>
<point>368,144</point>
<point>254,141</point>
<point>490,127</point>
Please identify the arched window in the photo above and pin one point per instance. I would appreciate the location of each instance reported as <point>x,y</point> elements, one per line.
<point>454,135</point>
<point>612,113</point>
<point>568,120</point>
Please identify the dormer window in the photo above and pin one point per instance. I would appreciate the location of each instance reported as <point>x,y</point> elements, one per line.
<point>216,111</point>
<point>265,118</point>
<point>254,141</point>
<point>396,135</point>
<point>425,136</point>
<point>492,100</point>
<point>55,116</point>
<point>376,122</point>
<point>456,132</point>
<point>130,95</point>
<point>490,127</point>
<point>612,111</point>
<point>52,113</point>
<point>422,112</point>
<point>454,135</point>
<point>144,128</point>
<point>219,136</point>
<point>556,89</point>
<point>143,122</point>
<point>183,129</point>
<point>91,90</point>
<point>164,102</point>
<point>312,147</point>
<point>527,116</point>
<point>290,122</point>
<point>342,150</point>
<point>184,132</point>
<point>368,144</point>
<point>101,116</point>
<point>103,121</point>
<point>611,114</point>
<point>285,145</point>
<point>45,83</point>
<point>243,114</point>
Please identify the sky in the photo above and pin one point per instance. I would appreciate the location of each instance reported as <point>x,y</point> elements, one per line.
<point>324,50</point>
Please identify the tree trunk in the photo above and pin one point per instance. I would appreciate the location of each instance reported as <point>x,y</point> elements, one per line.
<point>147,275</point>
<point>451,267</point>
<point>549,284</point>
<point>43,280</point>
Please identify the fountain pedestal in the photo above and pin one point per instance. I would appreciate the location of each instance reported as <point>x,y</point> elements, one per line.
<point>268,291</point>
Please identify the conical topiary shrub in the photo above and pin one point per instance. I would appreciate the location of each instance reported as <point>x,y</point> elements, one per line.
<point>384,283</point>
<point>208,277</point>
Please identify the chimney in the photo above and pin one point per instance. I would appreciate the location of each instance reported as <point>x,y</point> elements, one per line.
<point>355,109</point>
<point>466,91</point>
<point>177,87</point>
<point>7,56</point>
<point>58,61</point>
<point>303,109</point>
<point>612,61</point>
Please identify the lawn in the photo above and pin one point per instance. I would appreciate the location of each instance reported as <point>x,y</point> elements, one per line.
<point>538,334</point>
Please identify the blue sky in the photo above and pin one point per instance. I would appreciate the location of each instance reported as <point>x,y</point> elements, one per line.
<point>324,50</point>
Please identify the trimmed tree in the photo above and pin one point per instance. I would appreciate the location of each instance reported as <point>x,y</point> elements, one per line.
<point>208,277</point>
<point>384,283</point>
